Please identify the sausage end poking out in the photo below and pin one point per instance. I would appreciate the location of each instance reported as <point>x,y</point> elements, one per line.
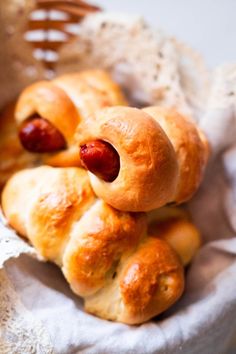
<point>40,136</point>
<point>100,158</point>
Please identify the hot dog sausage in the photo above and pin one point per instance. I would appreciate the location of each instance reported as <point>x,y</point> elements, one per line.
<point>100,158</point>
<point>40,136</point>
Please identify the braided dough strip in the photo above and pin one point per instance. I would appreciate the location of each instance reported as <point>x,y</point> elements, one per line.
<point>105,254</point>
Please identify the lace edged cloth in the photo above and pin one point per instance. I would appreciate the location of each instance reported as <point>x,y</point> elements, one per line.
<point>20,332</point>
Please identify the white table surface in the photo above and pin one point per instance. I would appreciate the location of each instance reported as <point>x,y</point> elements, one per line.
<point>207,25</point>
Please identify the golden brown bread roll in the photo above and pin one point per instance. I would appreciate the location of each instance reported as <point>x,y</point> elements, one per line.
<point>148,168</point>
<point>105,254</point>
<point>48,112</point>
<point>138,160</point>
<point>12,155</point>
<point>173,226</point>
<point>190,146</point>
<point>162,156</point>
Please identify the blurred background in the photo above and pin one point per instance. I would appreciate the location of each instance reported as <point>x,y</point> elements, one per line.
<point>207,25</point>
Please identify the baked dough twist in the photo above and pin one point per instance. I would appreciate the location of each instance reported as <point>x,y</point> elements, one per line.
<point>191,149</point>
<point>139,160</point>
<point>48,112</point>
<point>173,225</point>
<point>105,254</point>
<point>162,156</point>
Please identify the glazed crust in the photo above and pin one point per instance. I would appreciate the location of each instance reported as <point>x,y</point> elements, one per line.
<point>174,226</point>
<point>51,103</point>
<point>98,241</point>
<point>148,167</point>
<point>162,154</point>
<point>150,281</point>
<point>105,254</point>
<point>64,102</point>
<point>91,90</point>
<point>53,201</point>
<point>191,149</point>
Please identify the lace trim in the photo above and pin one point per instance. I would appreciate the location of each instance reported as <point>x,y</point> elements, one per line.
<point>11,246</point>
<point>20,332</point>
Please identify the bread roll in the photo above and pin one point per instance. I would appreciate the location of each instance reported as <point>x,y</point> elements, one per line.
<point>148,169</point>
<point>48,112</point>
<point>105,254</point>
<point>162,156</point>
